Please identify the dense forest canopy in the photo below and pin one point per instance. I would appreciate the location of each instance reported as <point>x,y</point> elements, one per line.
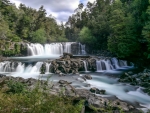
<point>119,26</point>
<point>26,23</point>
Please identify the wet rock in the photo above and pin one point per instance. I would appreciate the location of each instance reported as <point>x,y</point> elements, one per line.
<point>102,91</point>
<point>146,70</point>
<point>64,82</point>
<point>30,81</point>
<point>93,89</point>
<point>2,75</point>
<point>97,91</point>
<point>88,77</point>
<point>67,55</point>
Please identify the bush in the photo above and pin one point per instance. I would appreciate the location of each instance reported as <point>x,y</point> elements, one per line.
<point>15,87</point>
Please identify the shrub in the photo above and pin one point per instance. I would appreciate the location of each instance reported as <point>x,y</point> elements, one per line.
<point>15,87</point>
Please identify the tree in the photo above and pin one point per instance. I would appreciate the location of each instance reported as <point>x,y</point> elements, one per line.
<point>122,40</point>
<point>86,37</point>
<point>4,28</point>
<point>39,36</point>
<point>146,32</point>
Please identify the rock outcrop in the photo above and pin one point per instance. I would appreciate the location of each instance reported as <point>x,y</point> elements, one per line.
<point>64,88</point>
<point>140,79</point>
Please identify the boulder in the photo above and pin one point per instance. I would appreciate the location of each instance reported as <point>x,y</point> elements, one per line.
<point>88,77</point>
<point>94,90</point>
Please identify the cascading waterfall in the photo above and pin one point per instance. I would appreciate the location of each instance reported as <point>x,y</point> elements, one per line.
<point>67,47</point>
<point>81,49</point>
<point>98,65</point>
<point>109,64</point>
<point>115,63</point>
<point>49,49</point>
<point>47,67</point>
<point>7,66</point>
<point>20,67</point>
<point>85,65</point>
<point>83,52</point>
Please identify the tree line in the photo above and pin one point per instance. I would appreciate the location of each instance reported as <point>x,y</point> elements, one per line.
<point>26,23</point>
<point>120,26</point>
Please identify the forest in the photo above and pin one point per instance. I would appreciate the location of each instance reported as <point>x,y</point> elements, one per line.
<point>121,27</point>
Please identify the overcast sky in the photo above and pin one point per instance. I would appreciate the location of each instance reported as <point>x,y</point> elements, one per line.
<point>60,9</point>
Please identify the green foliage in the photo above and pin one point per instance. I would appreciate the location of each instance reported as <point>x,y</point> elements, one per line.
<point>60,39</point>
<point>8,52</point>
<point>120,26</point>
<point>39,36</point>
<point>146,31</point>
<point>43,69</point>
<point>17,48</point>
<point>16,39</point>
<point>37,100</point>
<point>4,28</point>
<point>26,23</point>
<point>15,87</point>
<point>86,37</point>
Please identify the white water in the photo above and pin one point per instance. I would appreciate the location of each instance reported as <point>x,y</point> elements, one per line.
<point>81,50</point>
<point>47,67</point>
<point>49,49</point>
<point>119,90</point>
<point>21,68</point>
<point>85,66</point>
<point>110,64</point>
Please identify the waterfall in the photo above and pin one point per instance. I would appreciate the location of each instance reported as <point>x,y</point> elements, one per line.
<point>20,67</point>
<point>67,47</point>
<point>47,67</point>
<point>98,65</point>
<point>7,66</point>
<point>109,64</point>
<point>81,50</point>
<point>85,66</point>
<point>49,49</point>
<point>115,63</point>
<point>36,67</point>
<point>54,48</point>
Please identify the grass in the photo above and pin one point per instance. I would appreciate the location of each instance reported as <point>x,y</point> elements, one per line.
<point>17,98</point>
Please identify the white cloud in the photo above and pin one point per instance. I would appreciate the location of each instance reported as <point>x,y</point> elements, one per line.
<point>60,9</point>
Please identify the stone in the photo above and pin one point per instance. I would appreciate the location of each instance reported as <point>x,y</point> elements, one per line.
<point>130,73</point>
<point>88,77</point>
<point>64,82</point>
<point>94,89</point>
<point>1,75</point>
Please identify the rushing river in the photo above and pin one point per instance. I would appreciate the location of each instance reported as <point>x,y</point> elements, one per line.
<point>101,79</point>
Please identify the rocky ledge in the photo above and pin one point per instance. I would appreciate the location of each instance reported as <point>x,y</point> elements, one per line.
<point>140,79</point>
<point>72,64</point>
<point>63,87</point>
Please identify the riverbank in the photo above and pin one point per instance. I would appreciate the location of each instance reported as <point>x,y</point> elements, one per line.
<point>61,89</point>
